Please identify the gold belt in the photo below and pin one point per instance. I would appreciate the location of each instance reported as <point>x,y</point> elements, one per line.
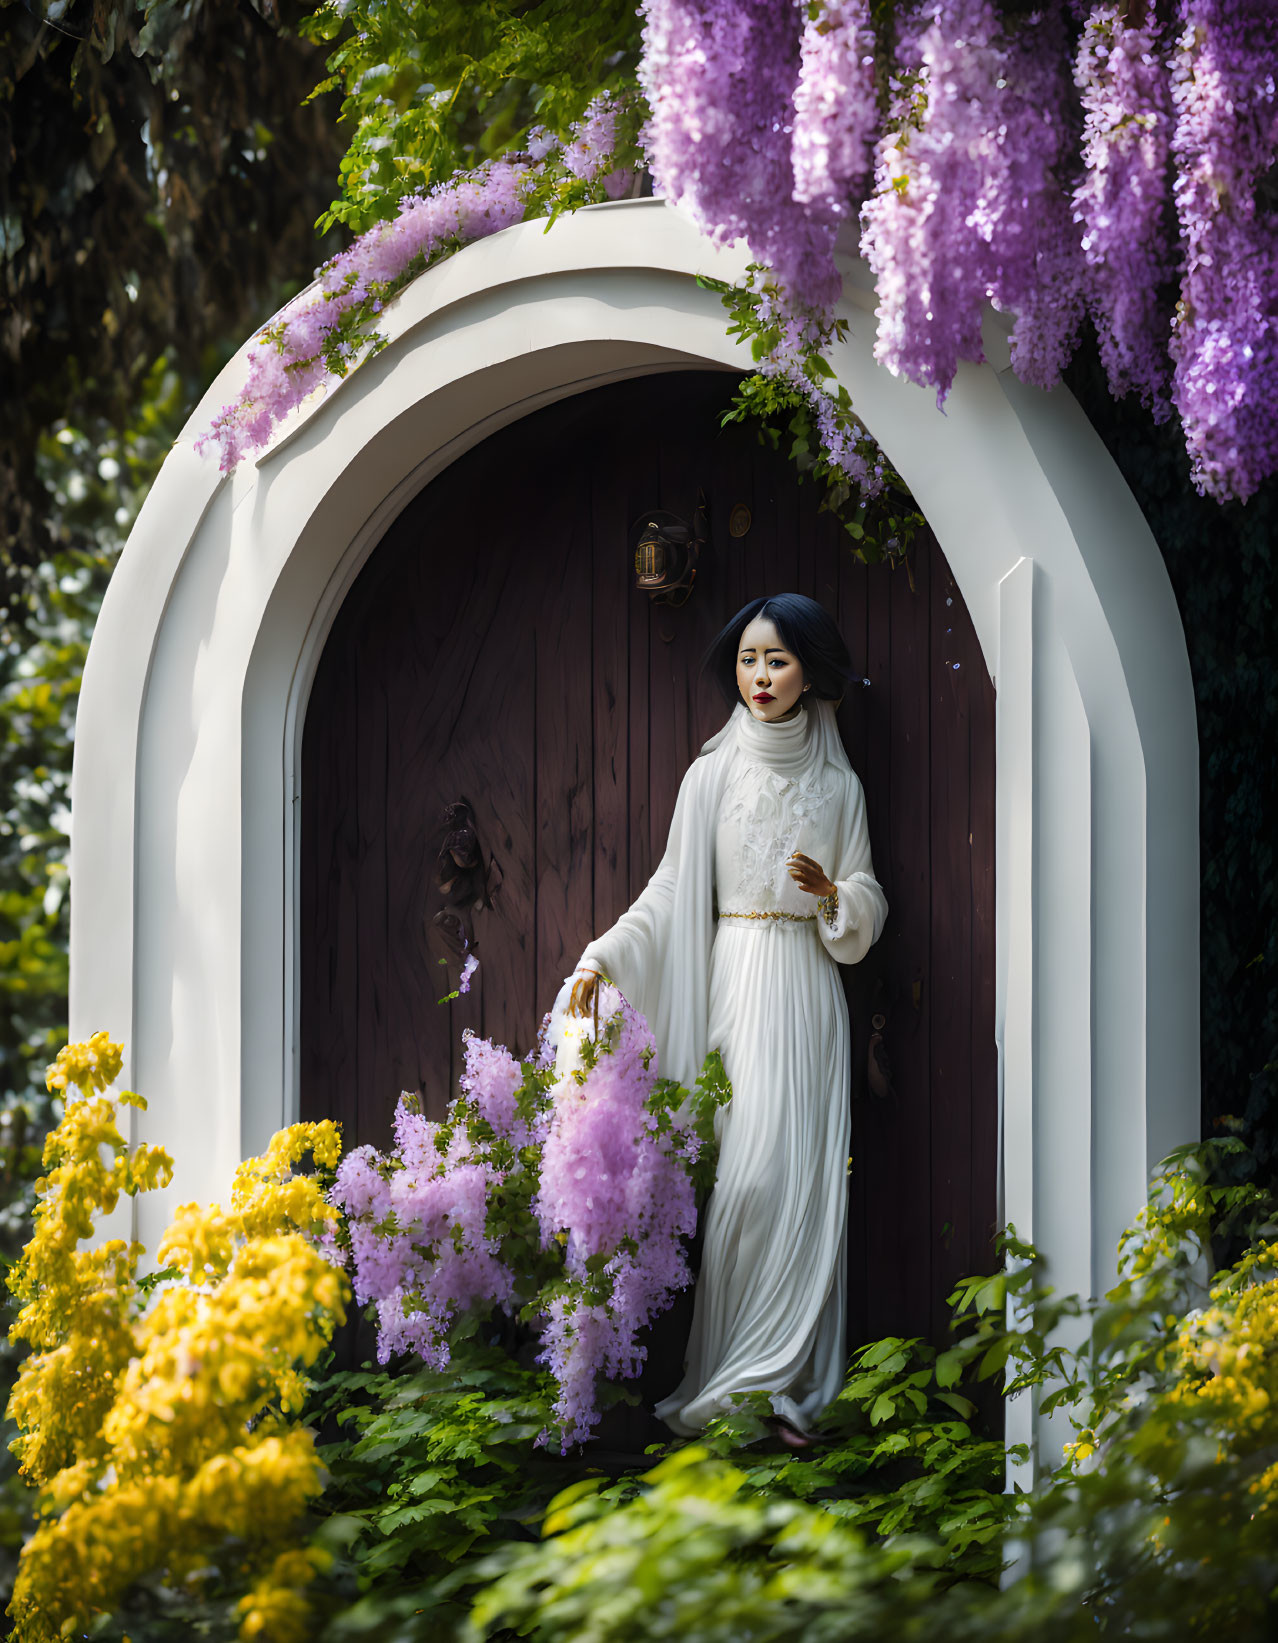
<point>793,918</point>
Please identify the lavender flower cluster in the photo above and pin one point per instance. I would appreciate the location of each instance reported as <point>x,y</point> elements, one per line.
<point>1225,342</point>
<point>966,208</point>
<point>761,129</point>
<point>836,114</point>
<point>563,1194</point>
<point>1120,201</point>
<point>616,1189</point>
<point>998,180</point>
<point>330,326</point>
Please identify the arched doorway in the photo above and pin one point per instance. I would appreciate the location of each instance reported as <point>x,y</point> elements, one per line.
<point>494,648</point>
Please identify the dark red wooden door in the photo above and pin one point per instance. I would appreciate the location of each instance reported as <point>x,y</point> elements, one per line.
<point>495,648</point>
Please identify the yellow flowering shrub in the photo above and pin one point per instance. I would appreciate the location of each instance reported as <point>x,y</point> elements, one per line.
<point>1230,1351</point>
<point>1228,1389</point>
<point>78,1305</point>
<point>162,1433</point>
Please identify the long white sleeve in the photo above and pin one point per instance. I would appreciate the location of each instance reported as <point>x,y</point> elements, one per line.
<point>862,904</point>
<point>658,951</point>
<point>630,953</point>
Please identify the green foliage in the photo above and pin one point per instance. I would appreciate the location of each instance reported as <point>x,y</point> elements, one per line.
<point>432,87</point>
<point>439,1501</point>
<point>698,1554</point>
<point>780,404</point>
<point>433,1467</point>
<point>899,1454</point>
<point>711,1091</point>
<point>442,1517</point>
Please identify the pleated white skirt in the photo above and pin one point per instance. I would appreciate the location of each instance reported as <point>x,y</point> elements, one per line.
<point>769,1313</point>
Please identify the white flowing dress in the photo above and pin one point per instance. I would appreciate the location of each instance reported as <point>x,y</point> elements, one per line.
<point>769,1311</point>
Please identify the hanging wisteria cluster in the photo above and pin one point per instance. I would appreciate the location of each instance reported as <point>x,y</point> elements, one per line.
<point>1125,184</point>
<point>1111,161</point>
<point>560,1191</point>
<point>1225,144</point>
<point>1120,201</point>
<point>966,206</point>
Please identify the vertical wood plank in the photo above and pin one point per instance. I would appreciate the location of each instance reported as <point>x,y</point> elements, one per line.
<point>910,956</point>
<point>610,638</point>
<point>504,791</point>
<point>839,569</point>
<point>645,852</point>
<point>564,739</point>
<point>874,1120</point>
<point>372,910</point>
<point>734,455</point>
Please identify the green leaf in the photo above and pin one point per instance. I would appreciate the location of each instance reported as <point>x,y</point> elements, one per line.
<point>949,1368</point>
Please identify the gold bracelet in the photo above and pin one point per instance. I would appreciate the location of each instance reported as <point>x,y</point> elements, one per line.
<point>829,906</point>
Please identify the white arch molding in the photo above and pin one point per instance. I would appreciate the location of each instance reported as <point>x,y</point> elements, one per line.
<point>188,740</point>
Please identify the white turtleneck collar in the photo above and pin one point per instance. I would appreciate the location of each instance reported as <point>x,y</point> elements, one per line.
<point>786,746</point>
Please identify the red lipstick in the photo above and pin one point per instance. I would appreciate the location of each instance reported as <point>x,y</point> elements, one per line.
<point>763,696</point>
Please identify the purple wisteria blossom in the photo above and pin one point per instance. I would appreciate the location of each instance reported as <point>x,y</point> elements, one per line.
<point>302,350</point>
<point>967,206</point>
<point>541,142</point>
<point>720,78</point>
<point>617,1189</point>
<point>419,1238</point>
<point>600,1163</point>
<point>835,113</point>
<point>1225,340</point>
<point>592,144</point>
<point>761,117</point>
<point>1122,201</point>
<point>492,1079</point>
<point>306,345</point>
<point>992,182</point>
<point>592,140</point>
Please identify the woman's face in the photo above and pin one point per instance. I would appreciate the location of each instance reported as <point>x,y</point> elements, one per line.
<point>769,676</point>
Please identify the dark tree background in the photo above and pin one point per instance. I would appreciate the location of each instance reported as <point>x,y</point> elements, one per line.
<point>160,178</point>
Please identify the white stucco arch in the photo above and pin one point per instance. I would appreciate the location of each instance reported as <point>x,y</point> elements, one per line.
<point>188,737</point>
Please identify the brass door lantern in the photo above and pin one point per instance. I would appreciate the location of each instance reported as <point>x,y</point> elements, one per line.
<point>666,550</point>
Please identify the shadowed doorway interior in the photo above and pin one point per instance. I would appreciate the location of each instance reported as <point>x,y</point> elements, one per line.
<point>495,648</point>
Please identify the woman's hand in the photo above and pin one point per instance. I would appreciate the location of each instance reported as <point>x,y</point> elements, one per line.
<point>581,1000</point>
<point>809,875</point>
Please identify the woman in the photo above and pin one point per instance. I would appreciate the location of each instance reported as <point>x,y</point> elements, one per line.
<point>734,945</point>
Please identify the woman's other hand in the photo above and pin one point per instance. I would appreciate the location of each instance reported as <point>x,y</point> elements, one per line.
<point>581,1001</point>
<point>809,875</point>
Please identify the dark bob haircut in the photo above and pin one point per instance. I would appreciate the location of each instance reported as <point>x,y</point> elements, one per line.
<point>806,628</point>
